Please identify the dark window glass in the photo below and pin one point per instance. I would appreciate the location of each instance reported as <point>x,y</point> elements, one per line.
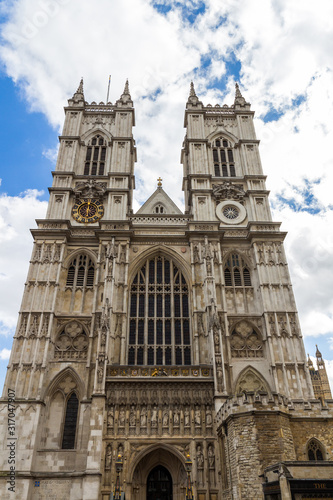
<point>96,151</point>
<point>151,271</point>
<point>167,311</point>
<point>68,439</point>
<point>94,141</point>
<point>215,155</point>
<point>227,277</point>
<point>159,312</point>
<point>179,360</point>
<point>224,171</point>
<point>185,305</point>
<point>159,356</point>
<point>80,277</point>
<point>159,271</point>
<point>217,143</point>
<point>133,305</point>
<point>178,332</point>
<point>168,356</point>
<point>141,325</point>
<point>166,271</point>
<point>141,306</point>
<point>150,356</point>
<point>150,331</point>
<point>88,155</point>
<point>247,277</point>
<point>186,332</point>
<point>225,144</point>
<point>70,275</point>
<point>139,360</point>
<point>151,306</point>
<point>101,169</point>
<point>90,276</point>
<point>230,155</point>
<point>223,157</point>
<point>131,356</point>
<point>217,170</point>
<point>103,154</point>
<point>159,332</point>
<point>168,331</point>
<point>237,277</point>
<point>94,169</point>
<point>232,171</point>
<point>100,142</point>
<point>187,356</point>
<point>86,169</point>
<point>177,305</point>
<point>132,334</point>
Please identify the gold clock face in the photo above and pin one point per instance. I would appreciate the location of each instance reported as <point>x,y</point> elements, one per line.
<point>87,210</point>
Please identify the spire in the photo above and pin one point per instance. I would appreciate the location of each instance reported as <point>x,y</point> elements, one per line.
<point>310,362</point>
<point>192,91</point>
<point>125,97</point>
<point>193,98</point>
<point>126,89</point>
<point>239,99</point>
<point>80,87</point>
<point>318,353</point>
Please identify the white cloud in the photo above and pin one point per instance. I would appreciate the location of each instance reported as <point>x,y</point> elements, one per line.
<point>17,214</point>
<point>4,354</point>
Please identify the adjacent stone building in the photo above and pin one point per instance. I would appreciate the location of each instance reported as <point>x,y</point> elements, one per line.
<point>155,335</point>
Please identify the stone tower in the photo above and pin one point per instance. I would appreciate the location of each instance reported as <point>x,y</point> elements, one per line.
<point>321,386</point>
<point>157,335</point>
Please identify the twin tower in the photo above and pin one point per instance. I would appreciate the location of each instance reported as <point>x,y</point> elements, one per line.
<point>161,340</point>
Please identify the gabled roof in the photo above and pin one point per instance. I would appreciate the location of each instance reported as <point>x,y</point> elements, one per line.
<point>159,197</point>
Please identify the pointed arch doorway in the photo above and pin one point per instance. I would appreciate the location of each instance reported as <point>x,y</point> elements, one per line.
<point>159,484</point>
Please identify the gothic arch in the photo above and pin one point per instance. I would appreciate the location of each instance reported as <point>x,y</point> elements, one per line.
<point>250,380</point>
<point>147,451</point>
<point>246,259</point>
<point>77,252</point>
<point>165,252</point>
<point>313,444</point>
<point>222,132</point>
<point>85,138</point>
<point>54,385</point>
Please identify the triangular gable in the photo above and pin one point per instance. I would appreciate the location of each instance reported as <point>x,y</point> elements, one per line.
<point>159,197</point>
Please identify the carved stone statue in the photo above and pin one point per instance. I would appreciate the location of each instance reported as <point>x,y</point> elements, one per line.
<point>176,416</point>
<point>200,457</point>
<point>108,456</point>
<point>165,419</point>
<point>132,418</point>
<point>186,417</point>
<point>211,457</point>
<point>154,417</point>
<point>209,418</point>
<point>143,417</point>
<point>122,418</point>
<point>110,417</point>
<point>197,416</point>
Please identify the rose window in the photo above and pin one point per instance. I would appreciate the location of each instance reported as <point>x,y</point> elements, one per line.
<point>230,212</point>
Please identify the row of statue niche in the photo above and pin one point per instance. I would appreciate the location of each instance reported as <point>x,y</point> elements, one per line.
<point>210,454</point>
<point>108,454</point>
<point>175,417</point>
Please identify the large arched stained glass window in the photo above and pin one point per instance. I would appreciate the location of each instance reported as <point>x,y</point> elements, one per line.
<point>159,327</point>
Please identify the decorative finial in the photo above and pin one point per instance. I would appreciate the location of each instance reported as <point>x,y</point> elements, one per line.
<point>318,353</point>
<point>238,92</point>
<point>192,90</point>
<point>126,88</point>
<point>159,182</point>
<point>80,87</point>
<point>239,99</point>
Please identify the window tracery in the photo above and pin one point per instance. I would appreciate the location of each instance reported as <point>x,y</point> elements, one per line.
<point>159,327</point>
<point>223,157</point>
<point>245,342</point>
<point>81,272</point>
<point>236,272</point>
<point>71,342</point>
<point>315,450</point>
<point>95,156</point>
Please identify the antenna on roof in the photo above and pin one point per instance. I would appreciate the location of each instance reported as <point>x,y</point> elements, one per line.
<point>107,95</point>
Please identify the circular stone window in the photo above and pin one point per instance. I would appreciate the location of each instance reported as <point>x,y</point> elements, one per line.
<point>230,212</point>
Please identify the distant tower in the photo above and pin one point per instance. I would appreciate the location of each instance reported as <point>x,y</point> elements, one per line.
<point>319,378</point>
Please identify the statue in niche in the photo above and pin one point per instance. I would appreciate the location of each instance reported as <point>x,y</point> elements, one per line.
<point>108,456</point>
<point>187,417</point>
<point>211,456</point>
<point>110,417</point>
<point>197,416</point>
<point>132,418</point>
<point>154,416</point>
<point>121,450</point>
<point>122,415</point>
<point>217,341</point>
<point>176,417</point>
<point>165,418</point>
<point>200,457</point>
<point>214,322</point>
<point>209,418</point>
<point>143,417</point>
<point>196,256</point>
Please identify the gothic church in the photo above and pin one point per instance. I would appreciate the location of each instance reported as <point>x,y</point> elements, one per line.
<point>163,341</point>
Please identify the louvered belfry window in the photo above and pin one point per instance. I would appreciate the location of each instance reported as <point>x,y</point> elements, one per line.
<point>159,325</point>
<point>223,157</point>
<point>81,272</point>
<point>95,157</point>
<point>236,272</point>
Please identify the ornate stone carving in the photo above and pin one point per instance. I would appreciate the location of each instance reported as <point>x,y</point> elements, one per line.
<point>228,191</point>
<point>245,342</point>
<point>71,342</point>
<point>90,189</point>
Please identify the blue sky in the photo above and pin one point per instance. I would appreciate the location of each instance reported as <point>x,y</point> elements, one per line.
<point>279,52</point>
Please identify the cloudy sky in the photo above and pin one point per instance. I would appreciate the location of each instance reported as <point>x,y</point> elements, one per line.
<point>280,51</point>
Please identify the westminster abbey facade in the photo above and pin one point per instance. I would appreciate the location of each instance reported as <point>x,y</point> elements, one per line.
<point>159,336</point>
